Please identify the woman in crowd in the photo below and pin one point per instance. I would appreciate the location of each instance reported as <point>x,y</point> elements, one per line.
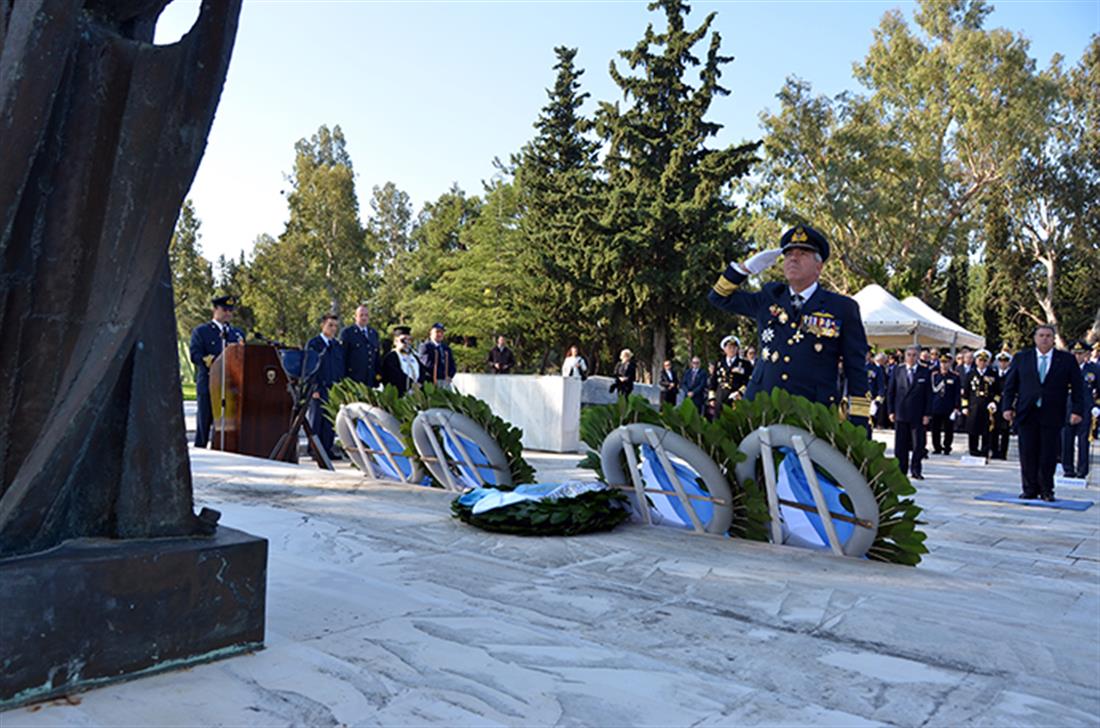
<point>574,364</point>
<point>624,373</point>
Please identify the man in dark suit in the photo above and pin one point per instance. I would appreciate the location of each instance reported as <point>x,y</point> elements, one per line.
<point>207,341</point>
<point>695,383</point>
<point>669,383</point>
<point>1036,389</point>
<point>437,362</point>
<point>945,406</point>
<point>501,358</point>
<point>1076,437</point>
<point>805,331</point>
<point>330,371</point>
<point>909,402</point>
<point>362,349</point>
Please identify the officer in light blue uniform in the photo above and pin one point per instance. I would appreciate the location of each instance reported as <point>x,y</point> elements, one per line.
<point>330,370</point>
<point>362,350</point>
<point>812,340</point>
<point>207,341</point>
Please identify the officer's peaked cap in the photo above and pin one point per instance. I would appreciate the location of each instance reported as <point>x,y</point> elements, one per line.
<point>805,237</point>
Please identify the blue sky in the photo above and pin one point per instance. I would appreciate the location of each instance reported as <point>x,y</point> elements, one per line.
<point>428,93</point>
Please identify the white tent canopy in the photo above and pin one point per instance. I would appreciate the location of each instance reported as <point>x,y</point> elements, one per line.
<point>965,338</point>
<point>890,323</point>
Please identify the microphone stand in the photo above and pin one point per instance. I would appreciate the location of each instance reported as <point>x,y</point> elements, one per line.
<point>222,426</point>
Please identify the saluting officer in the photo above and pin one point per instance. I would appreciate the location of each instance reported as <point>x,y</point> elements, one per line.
<point>1076,437</point>
<point>731,373</point>
<point>1002,430</point>
<point>362,349</point>
<point>804,330</point>
<point>981,394</point>
<point>207,341</point>
<point>437,363</point>
<point>946,391</point>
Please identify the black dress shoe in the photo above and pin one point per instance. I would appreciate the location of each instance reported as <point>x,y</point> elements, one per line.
<point>917,476</point>
<point>1069,474</point>
<point>1025,496</point>
<point>1048,497</point>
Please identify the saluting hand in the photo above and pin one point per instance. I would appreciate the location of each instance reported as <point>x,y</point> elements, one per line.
<point>762,260</point>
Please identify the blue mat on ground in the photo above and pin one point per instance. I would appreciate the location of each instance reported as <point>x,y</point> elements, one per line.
<point>1069,505</point>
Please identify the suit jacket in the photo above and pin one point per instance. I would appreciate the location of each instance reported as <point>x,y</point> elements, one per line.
<point>392,373</point>
<point>504,357</point>
<point>669,382</point>
<point>909,402</point>
<point>332,367</point>
<point>362,354</point>
<point>695,383</point>
<point>801,354</point>
<point>1023,389</point>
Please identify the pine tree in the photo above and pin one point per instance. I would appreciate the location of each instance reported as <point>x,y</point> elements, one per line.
<point>192,274</point>
<point>559,202</point>
<point>667,209</point>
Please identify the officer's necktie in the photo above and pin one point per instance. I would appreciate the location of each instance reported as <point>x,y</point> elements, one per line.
<point>909,374</point>
<point>796,304</point>
<point>1042,368</point>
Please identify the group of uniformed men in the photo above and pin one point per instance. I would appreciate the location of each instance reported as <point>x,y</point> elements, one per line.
<point>813,344</point>
<point>355,353</point>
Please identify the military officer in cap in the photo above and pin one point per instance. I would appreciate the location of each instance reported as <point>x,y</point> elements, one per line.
<point>731,373</point>
<point>436,360</point>
<point>980,398</point>
<point>207,341</point>
<point>946,389</point>
<point>1002,430</point>
<point>362,350</point>
<point>400,367</point>
<point>1076,437</point>
<point>805,331</point>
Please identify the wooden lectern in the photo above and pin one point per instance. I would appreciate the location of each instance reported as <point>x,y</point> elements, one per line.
<point>257,404</point>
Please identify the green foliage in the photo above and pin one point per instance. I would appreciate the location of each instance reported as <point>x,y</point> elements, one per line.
<point>405,409</point>
<point>192,274</point>
<point>669,217</point>
<point>323,261</point>
<point>898,539</point>
<point>591,512</point>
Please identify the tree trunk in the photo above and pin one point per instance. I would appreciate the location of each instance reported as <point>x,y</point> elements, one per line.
<point>660,347</point>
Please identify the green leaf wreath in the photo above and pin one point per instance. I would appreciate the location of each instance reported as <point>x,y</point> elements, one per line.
<point>415,401</point>
<point>599,510</point>
<point>898,540</point>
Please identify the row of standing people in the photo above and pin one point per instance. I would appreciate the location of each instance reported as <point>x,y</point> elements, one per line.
<point>918,394</point>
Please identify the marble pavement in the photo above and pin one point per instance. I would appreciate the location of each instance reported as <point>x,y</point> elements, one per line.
<point>382,610</point>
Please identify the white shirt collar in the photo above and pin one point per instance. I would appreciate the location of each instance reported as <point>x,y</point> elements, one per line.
<point>806,293</point>
<point>1041,354</point>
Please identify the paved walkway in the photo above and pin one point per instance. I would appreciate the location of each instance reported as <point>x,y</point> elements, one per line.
<point>384,610</point>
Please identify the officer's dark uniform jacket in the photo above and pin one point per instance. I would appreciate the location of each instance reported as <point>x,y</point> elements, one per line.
<point>362,354</point>
<point>206,340</point>
<point>980,390</point>
<point>801,355</point>
<point>333,366</point>
<point>946,389</point>
<point>730,377</point>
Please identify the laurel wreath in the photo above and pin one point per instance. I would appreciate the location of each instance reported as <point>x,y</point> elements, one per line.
<point>898,539</point>
<point>590,512</point>
<point>415,401</point>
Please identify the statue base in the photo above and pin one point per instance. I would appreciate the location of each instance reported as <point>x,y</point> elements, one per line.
<point>96,611</point>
